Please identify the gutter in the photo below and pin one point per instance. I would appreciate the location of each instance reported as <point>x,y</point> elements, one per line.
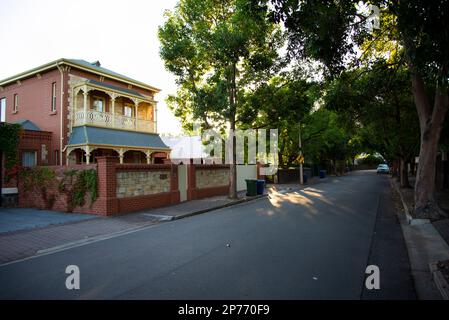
<point>61,142</point>
<point>122,93</point>
<point>63,61</point>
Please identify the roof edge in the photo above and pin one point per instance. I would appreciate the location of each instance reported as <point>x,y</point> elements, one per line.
<point>64,61</point>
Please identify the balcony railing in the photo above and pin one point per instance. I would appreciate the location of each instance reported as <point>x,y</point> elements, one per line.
<point>108,120</point>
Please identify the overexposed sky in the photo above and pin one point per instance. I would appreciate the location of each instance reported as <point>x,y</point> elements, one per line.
<point>122,34</point>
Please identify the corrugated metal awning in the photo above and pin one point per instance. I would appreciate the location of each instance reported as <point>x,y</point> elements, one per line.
<point>87,135</point>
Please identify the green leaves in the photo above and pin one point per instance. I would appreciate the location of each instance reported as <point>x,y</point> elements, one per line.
<point>377,104</point>
<point>280,103</point>
<point>75,184</point>
<point>39,181</point>
<point>9,141</point>
<point>424,31</point>
<point>324,138</point>
<point>216,48</point>
<point>321,30</point>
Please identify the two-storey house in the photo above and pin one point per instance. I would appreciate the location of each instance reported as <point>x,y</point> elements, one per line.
<point>89,110</point>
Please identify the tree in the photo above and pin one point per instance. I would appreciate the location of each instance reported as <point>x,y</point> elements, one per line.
<point>215,48</point>
<point>287,102</point>
<point>9,143</point>
<point>330,31</point>
<point>379,103</point>
<point>282,103</point>
<point>326,141</point>
<point>424,32</point>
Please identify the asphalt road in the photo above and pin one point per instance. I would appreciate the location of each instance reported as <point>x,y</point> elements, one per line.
<point>309,244</point>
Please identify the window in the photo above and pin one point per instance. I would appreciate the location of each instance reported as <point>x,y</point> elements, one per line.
<point>29,158</point>
<point>16,103</point>
<point>127,111</point>
<point>99,104</point>
<point>53,96</point>
<point>44,153</point>
<point>3,109</point>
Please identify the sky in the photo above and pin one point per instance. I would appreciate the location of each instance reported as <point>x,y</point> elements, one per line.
<point>122,35</point>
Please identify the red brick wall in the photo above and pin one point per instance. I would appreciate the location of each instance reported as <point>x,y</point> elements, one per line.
<point>107,202</point>
<point>35,105</point>
<point>33,141</point>
<point>33,199</point>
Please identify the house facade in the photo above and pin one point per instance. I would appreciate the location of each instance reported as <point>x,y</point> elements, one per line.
<point>87,111</point>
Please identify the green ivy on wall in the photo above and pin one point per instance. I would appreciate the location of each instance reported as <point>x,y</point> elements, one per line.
<point>85,182</point>
<point>76,184</point>
<point>39,180</point>
<point>9,142</point>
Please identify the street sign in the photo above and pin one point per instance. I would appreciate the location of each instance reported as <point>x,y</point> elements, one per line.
<point>300,159</point>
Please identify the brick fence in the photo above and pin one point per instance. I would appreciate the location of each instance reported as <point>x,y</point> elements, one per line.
<point>138,187</point>
<point>124,188</point>
<point>207,181</point>
<point>33,198</point>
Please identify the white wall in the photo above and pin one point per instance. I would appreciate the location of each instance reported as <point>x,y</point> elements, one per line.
<point>245,172</point>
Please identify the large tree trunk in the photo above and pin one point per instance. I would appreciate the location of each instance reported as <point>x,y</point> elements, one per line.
<point>281,159</point>
<point>232,165</point>
<point>403,173</point>
<point>412,167</point>
<point>393,169</point>
<point>431,122</point>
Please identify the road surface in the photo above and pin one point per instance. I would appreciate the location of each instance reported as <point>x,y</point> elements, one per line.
<point>310,244</point>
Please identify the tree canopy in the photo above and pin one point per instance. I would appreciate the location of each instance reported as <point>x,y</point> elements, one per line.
<point>216,48</point>
<point>373,77</point>
<point>416,32</point>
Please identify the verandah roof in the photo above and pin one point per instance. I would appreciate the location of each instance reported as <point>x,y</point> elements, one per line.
<point>87,135</point>
<point>115,88</point>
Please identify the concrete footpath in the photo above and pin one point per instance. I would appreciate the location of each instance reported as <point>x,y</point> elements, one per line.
<point>425,246</point>
<point>61,233</point>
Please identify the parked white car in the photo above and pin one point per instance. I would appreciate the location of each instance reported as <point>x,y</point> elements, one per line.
<point>383,168</point>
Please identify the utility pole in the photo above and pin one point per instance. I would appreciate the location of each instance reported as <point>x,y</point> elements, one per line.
<point>301,170</point>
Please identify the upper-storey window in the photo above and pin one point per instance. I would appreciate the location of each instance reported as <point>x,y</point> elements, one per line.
<point>99,104</point>
<point>16,103</point>
<point>3,109</point>
<point>53,96</point>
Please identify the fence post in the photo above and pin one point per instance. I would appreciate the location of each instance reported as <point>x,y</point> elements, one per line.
<point>107,184</point>
<point>191,182</point>
<point>174,189</point>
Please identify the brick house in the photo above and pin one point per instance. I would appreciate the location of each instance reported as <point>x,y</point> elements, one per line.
<point>73,111</point>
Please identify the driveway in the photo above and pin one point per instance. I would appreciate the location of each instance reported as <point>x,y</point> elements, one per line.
<point>15,219</point>
<point>309,244</point>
